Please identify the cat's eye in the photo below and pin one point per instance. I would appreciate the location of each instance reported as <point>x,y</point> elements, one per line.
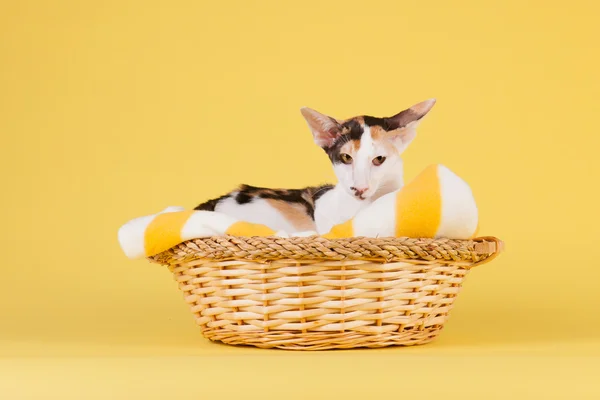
<point>378,160</point>
<point>346,159</point>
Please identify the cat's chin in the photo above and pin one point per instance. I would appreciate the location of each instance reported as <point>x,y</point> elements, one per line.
<point>351,194</point>
<point>359,198</point>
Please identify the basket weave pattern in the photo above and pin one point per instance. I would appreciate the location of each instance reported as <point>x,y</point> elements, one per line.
<point>316,294</point>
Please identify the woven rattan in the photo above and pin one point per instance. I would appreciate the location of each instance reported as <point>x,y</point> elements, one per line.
<point>315,294</point>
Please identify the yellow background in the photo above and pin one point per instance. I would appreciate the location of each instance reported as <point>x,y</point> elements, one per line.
<point>111,110</point>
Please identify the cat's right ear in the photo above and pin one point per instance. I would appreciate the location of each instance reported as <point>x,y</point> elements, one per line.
<point>325,129</point>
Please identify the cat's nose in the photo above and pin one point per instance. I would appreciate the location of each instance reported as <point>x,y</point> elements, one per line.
<point>359,191</point>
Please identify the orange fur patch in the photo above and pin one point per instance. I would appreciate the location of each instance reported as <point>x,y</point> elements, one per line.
<point>380,135</point>
<point>377,132</point>
<point>351,147</point>
<point>294,213</point>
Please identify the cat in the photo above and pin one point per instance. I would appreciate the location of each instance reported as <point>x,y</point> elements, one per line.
<point>365,153</point>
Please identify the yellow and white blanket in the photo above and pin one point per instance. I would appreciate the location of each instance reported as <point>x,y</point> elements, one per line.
<point>437,203</point>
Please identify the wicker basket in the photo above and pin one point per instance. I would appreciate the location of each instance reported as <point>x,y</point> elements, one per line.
<point>315,294</point>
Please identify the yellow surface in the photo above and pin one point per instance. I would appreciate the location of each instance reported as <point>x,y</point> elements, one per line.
<point>111,110</point>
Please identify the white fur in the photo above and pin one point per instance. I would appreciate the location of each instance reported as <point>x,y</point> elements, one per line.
<point>363,161</point>
<point>335,207</point>
<point>379,220</point>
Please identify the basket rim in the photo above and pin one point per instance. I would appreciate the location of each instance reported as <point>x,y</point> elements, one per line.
<point>470,252</point>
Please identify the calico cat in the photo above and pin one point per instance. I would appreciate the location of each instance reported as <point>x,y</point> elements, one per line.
<point>365,154</point>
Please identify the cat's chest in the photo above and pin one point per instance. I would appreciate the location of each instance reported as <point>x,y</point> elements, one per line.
<point>336,208</point>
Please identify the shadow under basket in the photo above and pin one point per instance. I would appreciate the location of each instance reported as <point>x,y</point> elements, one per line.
<point>312,293</point>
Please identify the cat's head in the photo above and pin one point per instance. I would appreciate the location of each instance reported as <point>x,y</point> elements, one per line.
<point>365,151</point>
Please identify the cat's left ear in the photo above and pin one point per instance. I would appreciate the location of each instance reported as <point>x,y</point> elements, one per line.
<point>402,127</point>
<point>324,128</point>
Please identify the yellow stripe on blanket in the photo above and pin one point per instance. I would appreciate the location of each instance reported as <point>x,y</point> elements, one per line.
<point>164,231</point>
<point>344,230</point>
<point>248,229</point>
<point>419,206</point>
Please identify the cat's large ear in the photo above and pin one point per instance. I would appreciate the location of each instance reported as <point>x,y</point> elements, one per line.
<point>402,127</point>
<point>325,129</point>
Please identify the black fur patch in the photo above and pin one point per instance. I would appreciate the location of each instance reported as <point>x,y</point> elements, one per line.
<point>243,197</point>
<point>396,122</point>
<point>246,194</point>
<point>352,130</point>
<point>375,121</point>
<point>210,205</point>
